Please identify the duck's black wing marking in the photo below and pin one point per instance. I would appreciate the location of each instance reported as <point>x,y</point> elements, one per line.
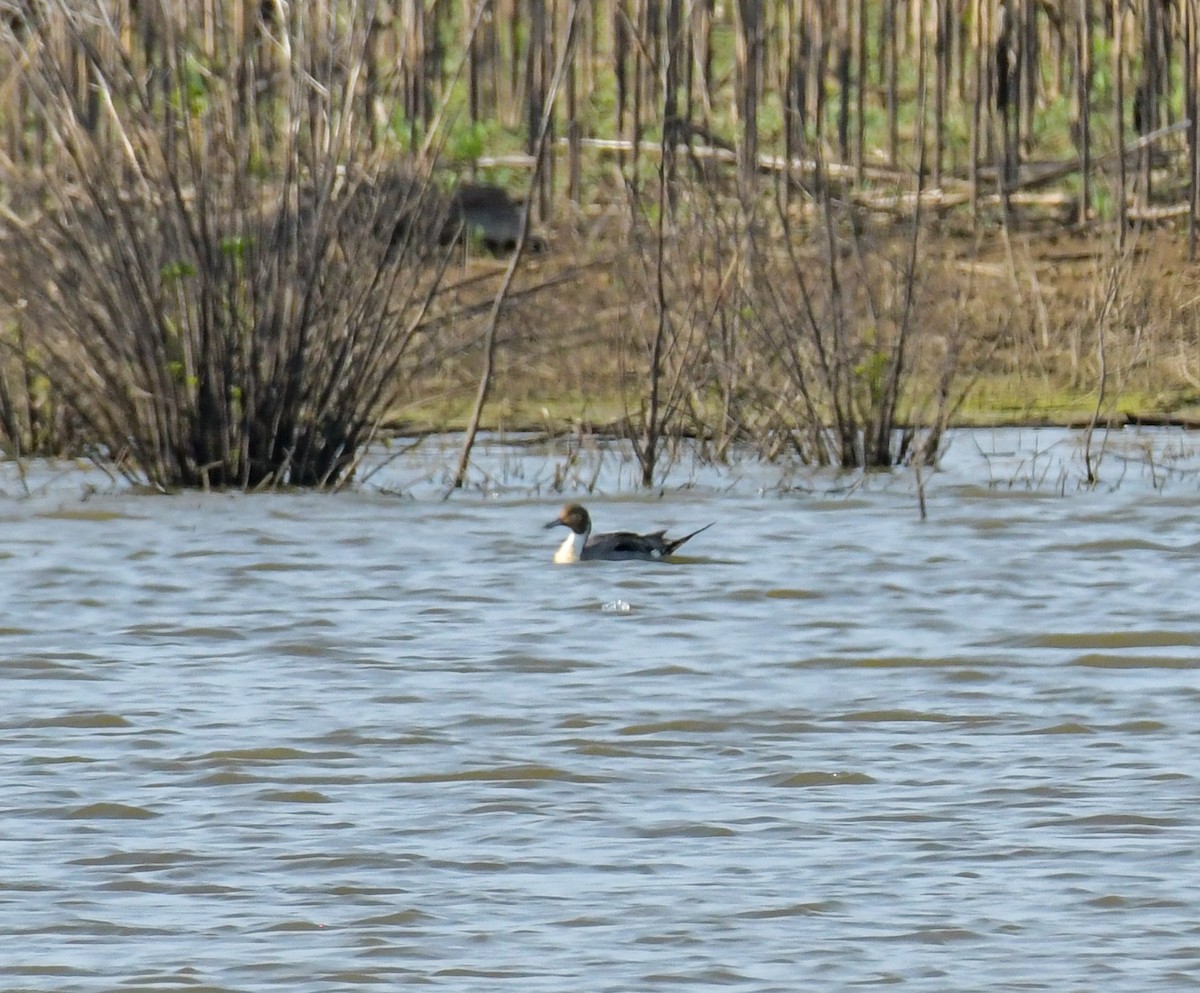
<point>628,541</point>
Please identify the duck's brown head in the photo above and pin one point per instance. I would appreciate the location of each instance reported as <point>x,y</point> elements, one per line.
<point>573,516</point>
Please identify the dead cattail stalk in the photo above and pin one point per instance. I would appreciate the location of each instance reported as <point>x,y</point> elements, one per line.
<point>493,321</point>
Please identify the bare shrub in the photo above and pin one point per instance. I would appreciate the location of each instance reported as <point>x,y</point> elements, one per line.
<point>667,322</point>
<point>836,305</point>
<point>1128,324</point>
<point>853,330</point>
<point>808,331</point>
<point>219,265</point>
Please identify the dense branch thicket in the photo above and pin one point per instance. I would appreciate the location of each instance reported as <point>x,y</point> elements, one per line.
<point>223,291</point>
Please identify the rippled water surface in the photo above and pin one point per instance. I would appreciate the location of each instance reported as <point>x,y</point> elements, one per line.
<point>375,739</point>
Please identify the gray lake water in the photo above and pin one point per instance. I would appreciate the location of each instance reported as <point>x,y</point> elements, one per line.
<point>376,739</point>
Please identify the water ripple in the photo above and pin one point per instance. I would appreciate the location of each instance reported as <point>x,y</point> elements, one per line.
<point>305,742</point>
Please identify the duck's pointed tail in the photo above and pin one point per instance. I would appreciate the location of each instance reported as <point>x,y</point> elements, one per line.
<point>674,543</point>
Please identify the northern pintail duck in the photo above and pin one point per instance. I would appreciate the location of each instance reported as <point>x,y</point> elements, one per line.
<point>581,544</point>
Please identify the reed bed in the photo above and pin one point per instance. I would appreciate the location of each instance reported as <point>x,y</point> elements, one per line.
<point>1092,99</point>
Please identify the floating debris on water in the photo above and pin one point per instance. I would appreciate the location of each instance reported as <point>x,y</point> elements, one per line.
<point>616,607</point>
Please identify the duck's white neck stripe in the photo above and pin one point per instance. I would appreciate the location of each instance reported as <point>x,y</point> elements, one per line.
<point>570,549</point>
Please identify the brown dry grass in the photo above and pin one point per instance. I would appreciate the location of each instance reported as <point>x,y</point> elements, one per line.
<point>1032,311</point>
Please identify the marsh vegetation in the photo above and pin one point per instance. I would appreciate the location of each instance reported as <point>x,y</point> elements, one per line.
<point>824,231</point>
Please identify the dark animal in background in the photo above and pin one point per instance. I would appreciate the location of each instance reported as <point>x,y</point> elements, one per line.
<point>404,214</point>
<point>484,212</point>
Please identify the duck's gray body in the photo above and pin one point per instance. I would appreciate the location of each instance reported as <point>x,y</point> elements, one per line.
<point>613,546</point>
